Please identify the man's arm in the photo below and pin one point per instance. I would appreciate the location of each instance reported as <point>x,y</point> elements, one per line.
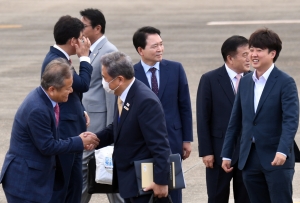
<point>290,120</point>
<point>204,108</point>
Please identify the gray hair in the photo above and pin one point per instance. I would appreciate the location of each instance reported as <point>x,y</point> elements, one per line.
<point>55,73</point>
<point>118,63</point>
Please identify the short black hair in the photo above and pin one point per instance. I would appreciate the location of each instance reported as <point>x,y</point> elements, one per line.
<point>266,39</point>
<point>231,45</point>
<point>66,28</point>
<point>140,36</point>
<point>95,16</point>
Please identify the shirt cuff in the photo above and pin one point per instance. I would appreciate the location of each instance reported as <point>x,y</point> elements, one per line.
<point>85,58</point>
<point>281,153</point>
<point>226,159</point>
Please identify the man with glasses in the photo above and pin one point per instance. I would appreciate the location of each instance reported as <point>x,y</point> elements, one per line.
<point>215,98</point>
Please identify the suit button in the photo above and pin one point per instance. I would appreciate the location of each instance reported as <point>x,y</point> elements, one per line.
<point>255,124</point>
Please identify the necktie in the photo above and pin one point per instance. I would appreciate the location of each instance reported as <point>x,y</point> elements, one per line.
<point>238,78</point>
<point>120,106</point>
<point>90,53</point>
<point>70,61</point>
<point>154,83</point>
<point>56,112</point>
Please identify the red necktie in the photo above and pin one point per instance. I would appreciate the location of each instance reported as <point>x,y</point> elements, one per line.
<point>70,61</point>
<point>56,112</point>
<point>154,83</point>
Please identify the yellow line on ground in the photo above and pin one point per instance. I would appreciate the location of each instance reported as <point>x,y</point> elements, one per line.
<point>10,26</point>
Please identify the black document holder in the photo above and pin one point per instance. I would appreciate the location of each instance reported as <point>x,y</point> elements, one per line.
<point>179,179</point>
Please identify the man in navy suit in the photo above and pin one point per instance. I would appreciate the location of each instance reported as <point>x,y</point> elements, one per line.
<point>266,109</point>
<point>138,130</point>
<point>69,41</point>
<point>31,167</point>
<point>215,98</point>
<point>172,89</point>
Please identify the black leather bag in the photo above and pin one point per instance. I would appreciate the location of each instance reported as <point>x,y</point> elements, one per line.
<point>94,187</point>
<point>154,199</point>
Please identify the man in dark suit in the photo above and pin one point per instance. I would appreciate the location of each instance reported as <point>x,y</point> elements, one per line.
<point>138,130</point>
<point>31,165</point>
<point>168,81</point>
<point>97,102</point>
<point>266,109</point>
<point>215,98</point>
<point>69,41</point>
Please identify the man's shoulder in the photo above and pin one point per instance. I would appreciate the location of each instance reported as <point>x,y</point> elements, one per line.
<point>171,63</point>
<point>213,73</point>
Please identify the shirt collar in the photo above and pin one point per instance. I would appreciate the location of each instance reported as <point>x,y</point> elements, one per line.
<point>60,49</point>
<point>125,92</point>
<point>147,67</point>
<point>53,102</point>
<point>93,46</point>
<point>265,75</point>
<point>231,73</point>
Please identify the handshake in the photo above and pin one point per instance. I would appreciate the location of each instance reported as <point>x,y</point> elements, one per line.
<point>90,140</point>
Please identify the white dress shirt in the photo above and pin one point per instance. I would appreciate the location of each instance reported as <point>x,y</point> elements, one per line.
<point>149,74</point>
<point>93,46</point>
<point>232,77</point>
<point>82,58</point>
<point>125,92</point>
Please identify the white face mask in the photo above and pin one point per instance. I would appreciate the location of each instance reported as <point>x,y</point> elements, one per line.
<point>106,86</point>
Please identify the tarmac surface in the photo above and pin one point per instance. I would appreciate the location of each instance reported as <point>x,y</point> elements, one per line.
<point>26,32</point>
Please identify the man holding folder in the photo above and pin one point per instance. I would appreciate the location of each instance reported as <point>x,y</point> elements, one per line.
<point>138,130</point>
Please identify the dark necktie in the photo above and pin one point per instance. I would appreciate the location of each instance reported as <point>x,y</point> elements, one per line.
<point>70,61</point>
<point>90,53</point>
<point>56,112</point>
<point>154,83</point>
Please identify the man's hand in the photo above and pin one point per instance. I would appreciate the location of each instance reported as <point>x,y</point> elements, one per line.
<point>90,140</point>
<point>83,47</point>
<point>279,160</point>
<point>187,148</point>
<point>226,166</point>
<point>158,190</point>
<point>209,161</point>
<point>87,118</point>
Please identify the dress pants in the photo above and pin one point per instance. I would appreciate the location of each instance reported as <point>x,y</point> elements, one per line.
<point>145,199</point>
<point>218,185</point>
<point>13,199</point>
<point>267,186</point>
<point>71,167</point>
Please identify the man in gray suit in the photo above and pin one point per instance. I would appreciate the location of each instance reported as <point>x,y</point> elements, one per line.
<point>97,102</point>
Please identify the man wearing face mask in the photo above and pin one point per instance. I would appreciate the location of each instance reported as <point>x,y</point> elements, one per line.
<point>138,130</point>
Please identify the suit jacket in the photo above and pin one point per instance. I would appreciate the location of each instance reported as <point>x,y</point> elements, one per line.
<point>174,96</point>
<point>215,98</point>
<point>140,133</point>
<point>274,124</point>
<point>98,103</point>
<point>72,121</point>
<point>29,168</point>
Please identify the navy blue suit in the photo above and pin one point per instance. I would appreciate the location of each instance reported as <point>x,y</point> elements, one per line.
<point>174,96</point>
<point>30,166</point>
<point>215,98</point>
<point>273,126</point>
<point>71,123</point>
<point>140,133</point>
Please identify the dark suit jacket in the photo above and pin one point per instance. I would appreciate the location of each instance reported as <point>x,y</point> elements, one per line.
<point>274,124</point>
<point>28,170</point>
<point>175,98</point>
<point>141,133</point>
<point>215,98</point>
<point>72,121</point>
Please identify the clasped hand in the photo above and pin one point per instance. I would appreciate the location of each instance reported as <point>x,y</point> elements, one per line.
<point>90,140</point>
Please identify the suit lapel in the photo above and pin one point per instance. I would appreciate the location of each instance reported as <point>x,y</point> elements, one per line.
<point>267,89</point>
<point>163,78</point>
<point>97,49</point>
<point>128,104</point>
<point>140,74</point>
<point>225,84</point>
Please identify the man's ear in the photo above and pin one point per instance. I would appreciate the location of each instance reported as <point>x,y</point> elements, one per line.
<point>140,51</point>
<point>98,28</point>
<point>273,53</point>
<point>229,59</point>
<point>73,41</point>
